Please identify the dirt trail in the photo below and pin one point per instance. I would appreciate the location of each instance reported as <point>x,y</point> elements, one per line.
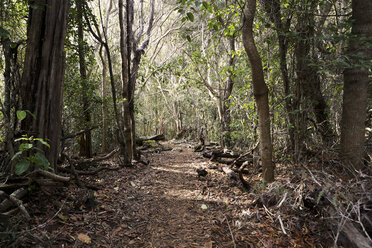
<point>170,205</point>
<point>163,204</point>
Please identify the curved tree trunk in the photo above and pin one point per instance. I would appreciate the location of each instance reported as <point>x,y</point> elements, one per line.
<point>260,91</point>
<point>356,80</point>
<point>43,73</point>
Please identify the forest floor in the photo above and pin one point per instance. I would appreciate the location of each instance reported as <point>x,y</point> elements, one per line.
<point>166,204</point>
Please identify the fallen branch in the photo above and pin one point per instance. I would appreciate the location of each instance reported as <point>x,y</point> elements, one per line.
<point>97,159</point>
<point>88,172</point>
<point>16,183</point>
<point>52,176</point>
<point>48,182</point>
<point>70,136</point>
<point>17,203</point>
<point>281,225</point>
<point>19,193</point>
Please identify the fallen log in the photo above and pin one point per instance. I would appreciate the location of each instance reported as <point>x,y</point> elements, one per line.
<point>158,137</point>
<point>228,157</point>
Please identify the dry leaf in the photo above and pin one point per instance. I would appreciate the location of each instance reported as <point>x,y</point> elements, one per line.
<point>84,238</point>
<point>208,244</point>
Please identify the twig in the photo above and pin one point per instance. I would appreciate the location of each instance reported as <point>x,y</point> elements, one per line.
<point>41,225</point>
<point>281,225</point>
<point>232,235</point>
<point>283,199</point>
<point>312,175</point>
<point>361,223</point>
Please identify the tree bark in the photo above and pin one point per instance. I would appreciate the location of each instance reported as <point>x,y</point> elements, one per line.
<point>226,117</point>
<point>274,11</point>
<point>125,72</point>
<point>43,73</point>
<point>102,56</point>
<point>260,91</point>
<point>356,80</point>
<point>308,80</point>
<point>86,138</point>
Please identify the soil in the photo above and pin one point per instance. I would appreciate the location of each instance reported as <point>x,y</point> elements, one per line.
<point>165,204</point>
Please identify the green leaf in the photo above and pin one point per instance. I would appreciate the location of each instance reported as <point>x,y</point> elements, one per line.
<point>43,142</point>
<point>17,155</point>
<point>205,4</point>
<point>22,166</point>
<point>4,33</point>
<point>25,146</point>
<point>42,160</point>
<point>21,114</point>
<point>33,116</point>
<point>188,38</point>
<point>204,207</point>
<point>190,16</point>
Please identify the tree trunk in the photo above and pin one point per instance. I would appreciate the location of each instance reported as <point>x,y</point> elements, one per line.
<point>356,80</point>
<point>104,97</point>
<point>273,9</point>
<point>260,91</point>
<point>308,80</point>
<point>125,72</point>
<point>226,117</point>
<point>86,138</point>
<point>43,73</point>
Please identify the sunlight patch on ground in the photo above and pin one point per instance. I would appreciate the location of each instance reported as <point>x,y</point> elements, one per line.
<point>189,172</point>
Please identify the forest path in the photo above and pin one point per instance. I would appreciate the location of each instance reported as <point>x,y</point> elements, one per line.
<point>163,204</point>
<point>166,204</point>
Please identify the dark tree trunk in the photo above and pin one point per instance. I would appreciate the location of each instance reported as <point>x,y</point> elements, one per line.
<point>130,67</point>
<point>309,86</point>
<point>226,116</point>
<point>86,138</point>
<point>356,80</point>
<point>125,51</point>
<point>273,9</point>
<point>260,91</point>
<point>42,79</point>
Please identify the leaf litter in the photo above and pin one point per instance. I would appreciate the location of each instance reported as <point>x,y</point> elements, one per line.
<point>166,204</point>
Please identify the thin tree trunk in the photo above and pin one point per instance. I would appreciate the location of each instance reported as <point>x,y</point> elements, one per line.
<point>86,138</point>
<point>104,97</point>
<point>113,88</point>
<point>43,73</point>
<point>125,70</point>
<point>226,120</point>
<point>274,11</point>
<point>260,91</point>
<point>356,80</point>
